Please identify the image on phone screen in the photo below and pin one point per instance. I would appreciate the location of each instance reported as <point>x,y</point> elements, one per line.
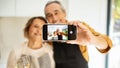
<point>56,32</point>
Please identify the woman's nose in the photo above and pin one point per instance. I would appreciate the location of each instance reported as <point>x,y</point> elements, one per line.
<point>39,29</point>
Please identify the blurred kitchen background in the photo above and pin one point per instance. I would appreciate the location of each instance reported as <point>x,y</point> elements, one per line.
<point>102,15</point>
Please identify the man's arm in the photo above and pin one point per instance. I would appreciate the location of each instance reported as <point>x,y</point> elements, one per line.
<point>87,35</point>
<point>102,42</point>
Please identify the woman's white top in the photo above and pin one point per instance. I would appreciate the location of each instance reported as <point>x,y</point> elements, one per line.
<point>38,58</point>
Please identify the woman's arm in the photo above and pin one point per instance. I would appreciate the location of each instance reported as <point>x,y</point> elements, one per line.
<point>11,60</point>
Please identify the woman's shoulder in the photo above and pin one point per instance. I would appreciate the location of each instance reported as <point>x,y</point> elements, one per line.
<point>17,49</point>
<point>15,52</point>
<point>20,46</point>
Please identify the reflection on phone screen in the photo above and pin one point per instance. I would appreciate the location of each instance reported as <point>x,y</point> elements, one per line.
<point>58,32</point>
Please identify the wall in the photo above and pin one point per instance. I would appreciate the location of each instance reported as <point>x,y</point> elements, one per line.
<point>91,11</point>
<point>94,13</point>
<point>24,8</point>
<point>11,35</point>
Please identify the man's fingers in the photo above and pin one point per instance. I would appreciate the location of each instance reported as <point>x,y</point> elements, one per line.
<point>80,24</point>
<point>71,42</point>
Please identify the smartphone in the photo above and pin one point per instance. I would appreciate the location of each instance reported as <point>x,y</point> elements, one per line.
<point>59,32</point>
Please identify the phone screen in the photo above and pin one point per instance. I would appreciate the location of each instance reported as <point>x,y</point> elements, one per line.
<point>55,32</point>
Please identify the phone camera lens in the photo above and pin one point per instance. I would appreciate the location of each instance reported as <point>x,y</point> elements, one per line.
<point>71,32</point>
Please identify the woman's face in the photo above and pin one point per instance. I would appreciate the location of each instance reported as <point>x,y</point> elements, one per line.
<point>35,30</point>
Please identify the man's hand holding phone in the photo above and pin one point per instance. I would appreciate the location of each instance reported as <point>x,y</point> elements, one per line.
<point>84,35</point>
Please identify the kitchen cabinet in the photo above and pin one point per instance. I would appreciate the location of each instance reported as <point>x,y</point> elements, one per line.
<point>7,7</point>
<point>22,7</point>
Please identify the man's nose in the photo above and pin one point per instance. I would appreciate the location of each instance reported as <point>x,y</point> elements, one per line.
<point>55,19</point>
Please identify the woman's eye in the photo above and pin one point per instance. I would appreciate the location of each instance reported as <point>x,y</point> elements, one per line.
<point>36,26</point>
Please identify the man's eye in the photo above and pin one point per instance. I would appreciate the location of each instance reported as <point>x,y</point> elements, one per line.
<point>56,13</point>
<point>49,15</point>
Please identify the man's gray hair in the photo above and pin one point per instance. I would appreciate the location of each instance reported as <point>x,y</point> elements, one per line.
<point>57,2</point>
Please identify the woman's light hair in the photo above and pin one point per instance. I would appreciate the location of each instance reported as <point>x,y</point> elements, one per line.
<point>29,23</point>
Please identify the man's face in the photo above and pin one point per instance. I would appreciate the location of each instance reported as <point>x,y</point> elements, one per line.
<point>55,14</point>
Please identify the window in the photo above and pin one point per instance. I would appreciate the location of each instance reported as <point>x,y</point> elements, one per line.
<point>114,33</point>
